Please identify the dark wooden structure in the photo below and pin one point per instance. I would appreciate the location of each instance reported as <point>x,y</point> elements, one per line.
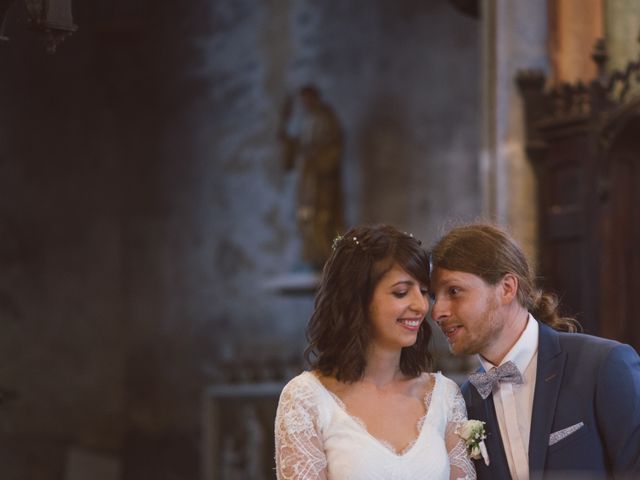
<point>584,142</point>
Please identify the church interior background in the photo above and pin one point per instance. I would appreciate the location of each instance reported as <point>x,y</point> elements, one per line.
<point>145,216</point>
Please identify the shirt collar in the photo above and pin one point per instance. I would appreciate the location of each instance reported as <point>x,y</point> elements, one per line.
<point>522,351</point>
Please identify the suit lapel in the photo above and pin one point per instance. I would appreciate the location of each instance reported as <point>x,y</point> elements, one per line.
<point>551,362</point>
<point>498,459</point>
<point>484,410</point>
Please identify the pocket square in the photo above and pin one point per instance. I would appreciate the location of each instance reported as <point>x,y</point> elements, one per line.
<point>555,437</point>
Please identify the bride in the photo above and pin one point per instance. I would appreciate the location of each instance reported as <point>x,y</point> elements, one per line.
<point>368,408</point>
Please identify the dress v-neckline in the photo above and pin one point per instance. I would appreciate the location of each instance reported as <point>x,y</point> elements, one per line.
<point>422,421</point>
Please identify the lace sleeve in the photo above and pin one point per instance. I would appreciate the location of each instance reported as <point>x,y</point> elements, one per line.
<point>461,465</point>
<point>299,450</point>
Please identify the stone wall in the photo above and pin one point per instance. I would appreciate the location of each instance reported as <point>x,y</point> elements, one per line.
<point>622,32</point>
<point>144,206</point>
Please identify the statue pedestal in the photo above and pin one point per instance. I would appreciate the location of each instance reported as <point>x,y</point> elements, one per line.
<point>295,283</point>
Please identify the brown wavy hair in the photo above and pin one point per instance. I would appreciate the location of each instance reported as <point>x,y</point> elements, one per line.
<point>486,250</point>
<point>339,330</point>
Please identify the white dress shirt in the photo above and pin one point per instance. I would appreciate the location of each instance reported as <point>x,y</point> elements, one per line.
<point>514,402</point>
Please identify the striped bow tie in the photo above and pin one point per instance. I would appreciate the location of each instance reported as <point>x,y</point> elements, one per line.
<point>485,381</point>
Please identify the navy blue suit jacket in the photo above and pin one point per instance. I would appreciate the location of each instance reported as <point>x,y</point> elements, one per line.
<point>580,378</point>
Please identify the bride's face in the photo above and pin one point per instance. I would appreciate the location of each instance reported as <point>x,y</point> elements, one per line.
<point>397,310</point>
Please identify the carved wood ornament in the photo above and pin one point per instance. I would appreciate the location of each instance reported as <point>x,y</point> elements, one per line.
<point>583,140</point>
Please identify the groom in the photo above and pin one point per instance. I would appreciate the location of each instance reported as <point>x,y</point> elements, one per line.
<point>558,405</point>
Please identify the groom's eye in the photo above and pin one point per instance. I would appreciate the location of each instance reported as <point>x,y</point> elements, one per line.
<point>454,291</point>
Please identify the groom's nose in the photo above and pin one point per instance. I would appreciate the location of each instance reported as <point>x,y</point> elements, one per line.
<point>439,310</point>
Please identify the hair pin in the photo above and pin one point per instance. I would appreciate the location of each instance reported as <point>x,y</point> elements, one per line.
<point>340,238</point>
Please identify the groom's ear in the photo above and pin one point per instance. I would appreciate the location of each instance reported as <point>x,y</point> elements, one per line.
<point>508,288</point>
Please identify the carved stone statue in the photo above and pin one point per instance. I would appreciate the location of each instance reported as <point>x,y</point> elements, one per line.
<point>315,148</point>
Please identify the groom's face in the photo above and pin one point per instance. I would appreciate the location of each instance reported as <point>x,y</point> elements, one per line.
<point>467,309</point>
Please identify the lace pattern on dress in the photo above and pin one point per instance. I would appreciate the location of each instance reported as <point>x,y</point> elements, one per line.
<point>462,467</point>
<point>299,449</point>
<point>384,443</point>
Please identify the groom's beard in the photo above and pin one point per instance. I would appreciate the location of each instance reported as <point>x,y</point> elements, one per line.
<point>479,332</point>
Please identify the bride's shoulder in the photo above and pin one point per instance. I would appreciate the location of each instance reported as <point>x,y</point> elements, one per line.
<point>426,380</point>
<point>303,382</point>
<point>301,403</point>
<point>448,385</point>
<point>307,383</point>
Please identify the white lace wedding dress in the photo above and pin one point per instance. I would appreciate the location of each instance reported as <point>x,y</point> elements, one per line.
<point>316,439</point>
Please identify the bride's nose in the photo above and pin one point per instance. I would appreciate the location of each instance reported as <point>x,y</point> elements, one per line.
<point>419,302</point>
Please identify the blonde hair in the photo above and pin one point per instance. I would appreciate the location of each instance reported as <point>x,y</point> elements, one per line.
<point>489,252</point>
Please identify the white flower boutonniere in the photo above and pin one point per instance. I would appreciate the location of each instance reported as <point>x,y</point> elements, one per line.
<point>473,434</point>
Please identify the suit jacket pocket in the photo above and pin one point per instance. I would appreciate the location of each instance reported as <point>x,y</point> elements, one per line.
<point>566,436</point>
